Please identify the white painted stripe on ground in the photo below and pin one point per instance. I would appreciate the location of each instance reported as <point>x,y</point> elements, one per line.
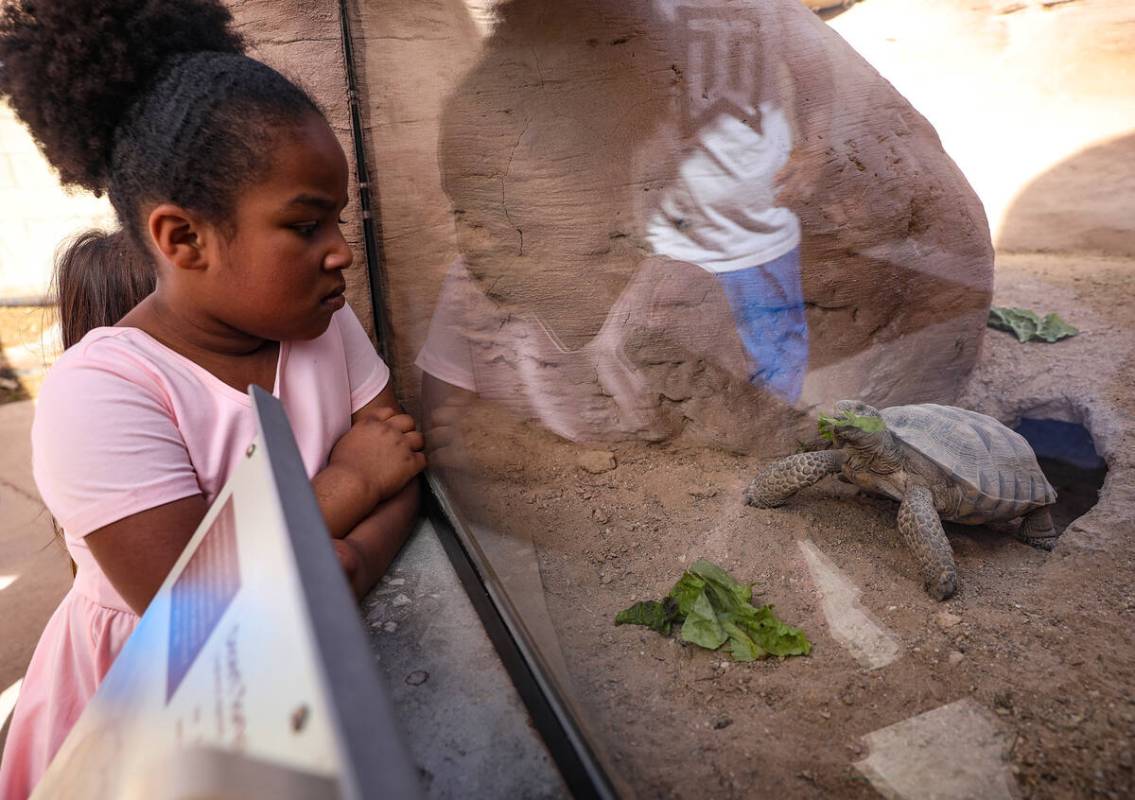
<point>954,752</point>
<point>8,700</point>
<point>871,644</point>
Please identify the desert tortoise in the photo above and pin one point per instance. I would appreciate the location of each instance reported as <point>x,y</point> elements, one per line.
<point>939,462</point>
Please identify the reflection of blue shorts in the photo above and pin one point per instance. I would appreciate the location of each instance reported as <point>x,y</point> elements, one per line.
<point>768,307</point>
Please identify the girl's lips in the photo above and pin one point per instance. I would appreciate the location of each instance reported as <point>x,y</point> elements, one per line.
<point>335,300</point>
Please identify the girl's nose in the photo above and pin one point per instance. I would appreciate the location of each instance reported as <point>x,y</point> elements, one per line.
<point>340,257</point>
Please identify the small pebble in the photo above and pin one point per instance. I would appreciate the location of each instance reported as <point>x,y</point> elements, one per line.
<point>417,677</point>
<point>396,581</point>
<point>401,600</point>
<point>721,723</point>
<point>956,658</point>
<point>948,620</point>
<point>596,461</point>
<point>390,627</point>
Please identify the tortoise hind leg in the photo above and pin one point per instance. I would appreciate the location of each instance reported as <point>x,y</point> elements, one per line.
<point>1037,529</point>
<point>784,478</point>
<point>921,529</point>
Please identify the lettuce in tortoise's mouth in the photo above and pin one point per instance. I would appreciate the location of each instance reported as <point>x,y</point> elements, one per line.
<point>828,425</point>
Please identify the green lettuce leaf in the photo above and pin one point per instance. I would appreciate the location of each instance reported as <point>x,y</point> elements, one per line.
<point>722,582</point>
<point>741,645</point>
<point>1027,325</point>
<point>713,609</point>
<point>772,635</point>
<point>827,425</point>
<point>688,588</point>
<point>702,626</point>
<point>651,613</point>
<point>1053,328</point>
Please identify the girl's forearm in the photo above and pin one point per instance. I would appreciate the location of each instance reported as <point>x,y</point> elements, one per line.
<point>380,534</point>
<point>344,498</point>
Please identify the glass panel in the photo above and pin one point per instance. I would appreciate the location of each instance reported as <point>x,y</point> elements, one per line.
<point>635,249</point>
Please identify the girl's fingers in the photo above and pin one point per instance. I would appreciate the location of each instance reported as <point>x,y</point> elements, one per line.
<point>446,415</point>
<point>382,413</point>
<point>415,440</point>
<point>403,423</point>
<point>441,437</point>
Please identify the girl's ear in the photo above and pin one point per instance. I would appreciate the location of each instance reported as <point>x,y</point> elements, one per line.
<point>179,236</point>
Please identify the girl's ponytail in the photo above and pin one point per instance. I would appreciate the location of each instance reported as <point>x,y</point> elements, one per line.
<point>99,277</point>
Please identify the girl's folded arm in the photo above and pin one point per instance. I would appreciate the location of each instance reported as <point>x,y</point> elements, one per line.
<point>366,552</point>
<point>138,551</point>
<point>370,464</point>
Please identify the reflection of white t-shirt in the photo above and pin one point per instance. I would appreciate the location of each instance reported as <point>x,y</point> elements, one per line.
<point>720,210</point>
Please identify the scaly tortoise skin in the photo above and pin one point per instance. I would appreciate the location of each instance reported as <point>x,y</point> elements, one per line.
<point>939,463</point>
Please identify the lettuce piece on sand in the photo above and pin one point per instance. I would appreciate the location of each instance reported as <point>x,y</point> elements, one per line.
<point>714,609</point>
<point>654,615</point>
<point>1028,326</point>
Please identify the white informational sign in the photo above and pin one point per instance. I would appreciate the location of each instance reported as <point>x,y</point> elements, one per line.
<point>249,674</point>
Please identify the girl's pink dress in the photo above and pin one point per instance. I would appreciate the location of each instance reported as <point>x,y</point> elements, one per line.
<point>124,424</point>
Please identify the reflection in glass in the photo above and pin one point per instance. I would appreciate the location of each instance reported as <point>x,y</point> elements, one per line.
<point>632,247</point>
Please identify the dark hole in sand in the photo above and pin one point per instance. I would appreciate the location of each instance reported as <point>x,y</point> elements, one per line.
<point>1068,457</point>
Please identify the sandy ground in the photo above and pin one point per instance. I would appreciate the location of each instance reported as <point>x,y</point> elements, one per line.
<point>1043,642</point>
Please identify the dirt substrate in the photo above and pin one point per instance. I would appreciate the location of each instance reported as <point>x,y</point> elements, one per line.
<point>1044,642</point>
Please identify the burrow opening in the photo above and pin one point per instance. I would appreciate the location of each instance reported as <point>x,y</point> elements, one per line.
<point>1067,455</point>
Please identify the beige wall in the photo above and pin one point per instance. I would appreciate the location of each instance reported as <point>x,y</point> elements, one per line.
<point>35,211</point>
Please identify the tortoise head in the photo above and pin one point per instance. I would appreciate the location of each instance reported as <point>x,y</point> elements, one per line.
<point>855,424</point>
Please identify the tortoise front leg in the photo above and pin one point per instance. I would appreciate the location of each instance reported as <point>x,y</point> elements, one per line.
<point>921,529</point>
<point>784,478</point>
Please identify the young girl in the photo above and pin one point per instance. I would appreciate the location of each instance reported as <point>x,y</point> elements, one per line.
<point>228,183</point>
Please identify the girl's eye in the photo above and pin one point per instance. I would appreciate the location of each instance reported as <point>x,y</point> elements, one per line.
<point>305,228</point>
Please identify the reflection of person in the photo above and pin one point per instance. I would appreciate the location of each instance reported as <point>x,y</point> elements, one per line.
<point>720,210</point>
<point>570,193</point>
<point>540,180</point>
<point>230,179</point>
<point>720,213</point>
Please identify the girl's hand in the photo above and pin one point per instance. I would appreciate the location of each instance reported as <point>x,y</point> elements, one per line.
<point>376,457</point>
<point>445,407</point>
<point>383,449</point>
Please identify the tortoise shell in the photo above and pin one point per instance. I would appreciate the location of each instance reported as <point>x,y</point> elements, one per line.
<point>994,467</point>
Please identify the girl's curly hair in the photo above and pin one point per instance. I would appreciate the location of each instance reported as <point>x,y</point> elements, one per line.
<point>71,70</point>
<point>147,100</point>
